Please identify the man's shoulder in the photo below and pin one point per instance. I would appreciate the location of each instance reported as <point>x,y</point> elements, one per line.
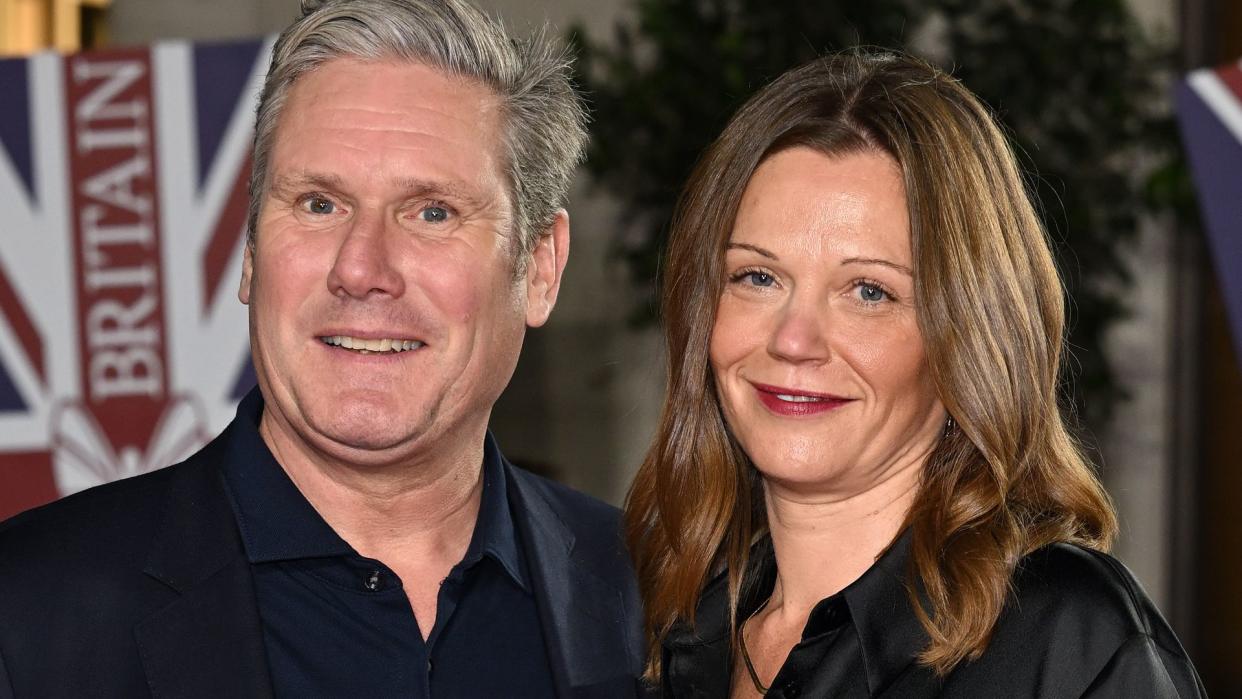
<point>580,513</point>
<point>594,525</point>
<point>85,520</point>
<point>580,550</point>
<point>98,526</point>
<point>78,576</point>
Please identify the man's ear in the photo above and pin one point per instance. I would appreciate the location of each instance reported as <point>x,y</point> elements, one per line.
<point>544,269</point>
<point>243,292</point>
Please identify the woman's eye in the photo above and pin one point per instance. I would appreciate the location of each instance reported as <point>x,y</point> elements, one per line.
<point>871,293</point>
<point>759,278</point>
<point>320,205</point>
<point>434,214</point>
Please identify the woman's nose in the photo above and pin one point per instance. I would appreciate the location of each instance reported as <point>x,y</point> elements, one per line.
<point>801,332</point>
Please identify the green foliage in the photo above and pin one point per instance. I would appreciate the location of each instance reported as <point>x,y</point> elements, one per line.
<point>1075,83</point>
<point>665,89</point>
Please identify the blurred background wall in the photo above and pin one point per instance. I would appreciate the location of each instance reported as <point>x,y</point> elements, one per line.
<point>586,395</point>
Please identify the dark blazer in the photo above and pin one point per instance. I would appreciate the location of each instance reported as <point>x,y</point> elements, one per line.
<point>142,588</point>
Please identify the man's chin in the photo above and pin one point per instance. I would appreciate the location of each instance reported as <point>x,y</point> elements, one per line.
<point>368,443</point>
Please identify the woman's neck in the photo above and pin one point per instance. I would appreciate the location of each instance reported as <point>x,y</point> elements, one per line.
<point>823,543</point>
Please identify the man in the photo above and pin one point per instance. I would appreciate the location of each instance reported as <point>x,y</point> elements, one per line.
<point>355,531</point>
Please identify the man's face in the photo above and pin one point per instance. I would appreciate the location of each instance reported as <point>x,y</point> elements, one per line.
<point>386,226</point>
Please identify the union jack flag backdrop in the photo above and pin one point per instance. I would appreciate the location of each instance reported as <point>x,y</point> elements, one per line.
<point>123,346</point>
<point>1209,109</point>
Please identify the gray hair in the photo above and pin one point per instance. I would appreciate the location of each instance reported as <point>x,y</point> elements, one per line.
<point>544,122</point>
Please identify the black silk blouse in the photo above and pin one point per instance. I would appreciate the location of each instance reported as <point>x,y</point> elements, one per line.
<point>1077,625</point>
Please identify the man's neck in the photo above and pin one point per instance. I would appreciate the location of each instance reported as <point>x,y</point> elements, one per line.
<point>425,509</point>
<point>416,517</point>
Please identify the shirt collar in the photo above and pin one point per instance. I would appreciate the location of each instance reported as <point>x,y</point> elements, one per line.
<point>495,534</point>
<point>278,523</point>
<point>889,632</point>
<point>877,606</point>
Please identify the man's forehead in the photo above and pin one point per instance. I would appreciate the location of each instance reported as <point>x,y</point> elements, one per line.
<point>396,73</point>
<point>400,97</point>
<point>397,111</point>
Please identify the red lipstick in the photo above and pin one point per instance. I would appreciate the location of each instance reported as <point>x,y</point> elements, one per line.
<point>790,402</point>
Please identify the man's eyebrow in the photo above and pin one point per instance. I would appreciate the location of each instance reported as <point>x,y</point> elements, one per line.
<point>411,186</point>
<point>439,189</point>
<point>307,180</point>
<point>878,261</point>
<point>754,248</point>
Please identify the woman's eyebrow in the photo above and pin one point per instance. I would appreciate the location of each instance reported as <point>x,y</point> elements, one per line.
<point>753,248</point>
<point>878,261</point>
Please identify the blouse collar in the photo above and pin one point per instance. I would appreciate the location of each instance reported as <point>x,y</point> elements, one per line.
<point>877,605</point>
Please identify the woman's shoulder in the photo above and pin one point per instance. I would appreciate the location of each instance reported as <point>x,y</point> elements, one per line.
<point>1079,623</point>
<point>1076,585</point>
<point>1084,592</point>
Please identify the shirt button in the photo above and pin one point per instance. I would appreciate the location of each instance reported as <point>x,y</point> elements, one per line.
<point>791,689</point>
<point>373,581</point>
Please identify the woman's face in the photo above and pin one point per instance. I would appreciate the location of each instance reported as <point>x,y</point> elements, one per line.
<point>817,355</point>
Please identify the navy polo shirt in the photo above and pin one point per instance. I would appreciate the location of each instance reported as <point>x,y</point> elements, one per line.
<point>336,623</point>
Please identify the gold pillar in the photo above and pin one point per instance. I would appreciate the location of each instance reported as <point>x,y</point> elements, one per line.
<point>23,26</point>
<point>27,26</point>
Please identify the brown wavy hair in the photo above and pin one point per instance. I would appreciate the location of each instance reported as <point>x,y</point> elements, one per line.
<point>1008,479</point>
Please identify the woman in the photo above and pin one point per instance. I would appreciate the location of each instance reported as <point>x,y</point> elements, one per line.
<point>862,484</point>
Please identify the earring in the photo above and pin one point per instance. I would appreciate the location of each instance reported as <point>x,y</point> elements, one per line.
<point>949,424</point>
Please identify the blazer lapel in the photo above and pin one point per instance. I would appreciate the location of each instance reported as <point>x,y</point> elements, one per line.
<point>583,615</point>
<point>209,641</point>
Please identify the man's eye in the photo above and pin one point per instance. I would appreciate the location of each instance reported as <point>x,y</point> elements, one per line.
<point>434,214</point>
<point>319,205</point>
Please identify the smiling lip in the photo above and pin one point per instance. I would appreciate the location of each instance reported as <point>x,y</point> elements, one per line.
<point>791,402</point>
<point>363,344</point>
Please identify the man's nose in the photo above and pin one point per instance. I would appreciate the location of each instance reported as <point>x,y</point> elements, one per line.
<point>365,263</point>
<point>801,332</point>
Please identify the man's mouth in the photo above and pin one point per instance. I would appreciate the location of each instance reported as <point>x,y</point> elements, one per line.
<point>371,345</point>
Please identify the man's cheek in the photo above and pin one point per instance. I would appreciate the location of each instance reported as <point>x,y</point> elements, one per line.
<point>458,291</point>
